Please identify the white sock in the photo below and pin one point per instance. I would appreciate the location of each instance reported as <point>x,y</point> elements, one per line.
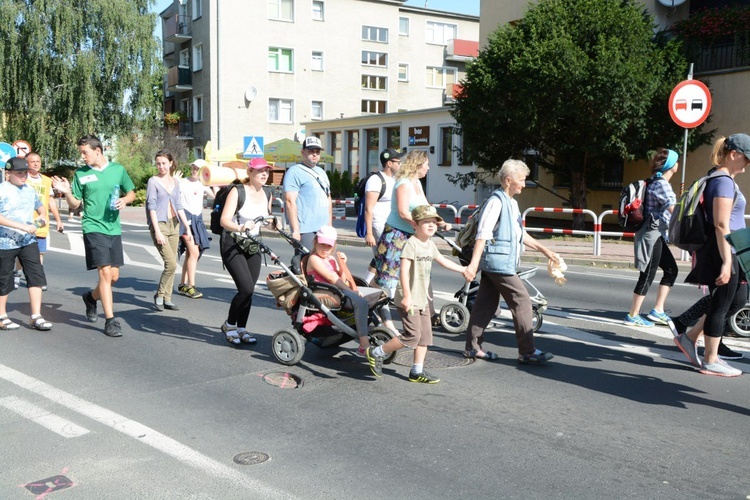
<point>416,368</point>
<point>378,352</point>
<point>369,277</point>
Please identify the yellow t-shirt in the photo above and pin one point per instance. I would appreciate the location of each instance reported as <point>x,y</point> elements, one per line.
<point>43,187</point>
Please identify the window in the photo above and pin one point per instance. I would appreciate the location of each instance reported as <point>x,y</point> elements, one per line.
<point>393,137</point>
<point>374,58</point>
<point>197,9</point>
<point>352,138</point>
<point>197,109</point>
<point>439,77</point>
<point>374,34</point>
<point>316,64</point>
<point>403,72</point>
<point>281,10</point>
<point>280,60</point>
<point>336,141</point>
<point>184,58</point>
<point>403,26</point>
<point>440,33</point>
<point>198,57</point>
<point>373,149</point>
<point>185,108</point>
<point>318,10</point>
<point>374,82</point>
<point>198,152</point>
<point>316,112</point>
<point>446,147</point>
<point>376,107</point>
<point>280,110</point>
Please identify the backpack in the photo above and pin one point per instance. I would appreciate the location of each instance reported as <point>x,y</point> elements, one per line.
<point>219,200</point>
<point>631,211</point>
<point>359,203</point>
<point>467,235</point>
<point>688,225</point>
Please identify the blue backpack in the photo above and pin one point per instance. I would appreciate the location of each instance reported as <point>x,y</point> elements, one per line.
<point>359,203</point>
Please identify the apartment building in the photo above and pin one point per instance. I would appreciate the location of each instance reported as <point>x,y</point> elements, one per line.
<point>726,65</point>
<point>239,68</point>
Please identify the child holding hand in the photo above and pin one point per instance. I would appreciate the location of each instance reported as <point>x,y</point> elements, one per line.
<point>412,298</point>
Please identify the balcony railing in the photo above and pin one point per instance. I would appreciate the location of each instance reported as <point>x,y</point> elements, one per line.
<point>185,129</point>
<point>461,50</point>
<point>721,56</point>
<point>179,79</point>
<point>177,29</point>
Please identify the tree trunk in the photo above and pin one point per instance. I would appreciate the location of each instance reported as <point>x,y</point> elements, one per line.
<point>578,196</point>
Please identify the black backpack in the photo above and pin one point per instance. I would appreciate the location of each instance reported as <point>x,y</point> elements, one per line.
<point>631,210</point>
<point>219,200</point>
<point>359,202</point>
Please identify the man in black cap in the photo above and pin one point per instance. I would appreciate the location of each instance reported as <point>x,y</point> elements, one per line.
<point>18,201</point>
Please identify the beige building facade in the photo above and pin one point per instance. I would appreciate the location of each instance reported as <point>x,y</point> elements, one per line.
<point>266,68</point>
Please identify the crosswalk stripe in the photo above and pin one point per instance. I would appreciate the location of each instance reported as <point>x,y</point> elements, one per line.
<point>39,415</point>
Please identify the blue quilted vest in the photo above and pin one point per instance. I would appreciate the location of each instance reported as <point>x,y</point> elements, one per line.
<point>501,252</point>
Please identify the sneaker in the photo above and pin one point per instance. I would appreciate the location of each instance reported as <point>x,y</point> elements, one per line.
<point>423,378</point>
<point>673,328</point>
<point>112,328</point>
<point>726,353</point>
<point>688,348</point>
<point>193,292</point>
<point>44,288</point>
<point>360,352</point>
<point>88,300</point>
<point>16,279</point>
<point>659,318</point>
<point>637,320</point>
<point>535,358</point>
<point>182,289</point>
<point>376,362</point>
<point>721,369</point>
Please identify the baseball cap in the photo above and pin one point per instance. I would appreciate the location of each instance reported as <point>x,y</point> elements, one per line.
<point>326,235</point>
<point>17,165</point>
<point>425,212</point>
<point>258,164</point>
<point>200,163</point>
<point>389,154</point>
<point>312,143</point>
<point>739,143</point>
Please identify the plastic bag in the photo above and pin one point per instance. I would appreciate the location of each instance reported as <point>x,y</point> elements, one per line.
<point>556,267</point>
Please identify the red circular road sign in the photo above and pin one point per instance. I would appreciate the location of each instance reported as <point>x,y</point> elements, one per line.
<point>690,103</point>
<point>22,148</point>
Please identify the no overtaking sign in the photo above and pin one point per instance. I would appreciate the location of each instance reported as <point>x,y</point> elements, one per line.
<point>690,103</point>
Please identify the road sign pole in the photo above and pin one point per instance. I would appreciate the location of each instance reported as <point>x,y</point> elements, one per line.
<point>683,254</point>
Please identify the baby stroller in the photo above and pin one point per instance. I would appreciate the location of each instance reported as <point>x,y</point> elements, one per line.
<point>454,316</point>
<point>317,310</point>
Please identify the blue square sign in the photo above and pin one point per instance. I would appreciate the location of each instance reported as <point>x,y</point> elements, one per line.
<point>252,147</point>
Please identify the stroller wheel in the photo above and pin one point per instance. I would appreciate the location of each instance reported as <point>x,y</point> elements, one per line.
<point>537,320</point>
<point>740,322</point>
<point>288,347</point>
<point>379,336</point>
<point>454,317</point>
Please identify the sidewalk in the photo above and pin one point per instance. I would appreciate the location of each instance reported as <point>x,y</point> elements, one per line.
<point>575,250</point>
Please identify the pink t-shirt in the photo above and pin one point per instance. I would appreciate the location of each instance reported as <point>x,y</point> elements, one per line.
<point>330,263</point>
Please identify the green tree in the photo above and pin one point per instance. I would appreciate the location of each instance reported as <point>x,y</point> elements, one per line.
<point>72,68</point>
<point>578,81</point>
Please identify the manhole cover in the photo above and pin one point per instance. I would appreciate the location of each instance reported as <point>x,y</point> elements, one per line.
<point>283,379</point>
<point>436,358</point>
<point>251,458</point>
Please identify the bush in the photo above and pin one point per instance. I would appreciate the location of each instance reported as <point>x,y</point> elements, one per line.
<point>140,198</point>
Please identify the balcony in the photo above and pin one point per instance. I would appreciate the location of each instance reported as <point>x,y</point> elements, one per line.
<point>179,79</point>
<point>721,56</point>
<point>461,50</point>
<point>185,129</point>
<point>177,29</point>
<point>451,92</point>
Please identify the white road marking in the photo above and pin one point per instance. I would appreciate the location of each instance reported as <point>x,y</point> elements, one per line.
<point>39,415</point>
<point>141,433</point>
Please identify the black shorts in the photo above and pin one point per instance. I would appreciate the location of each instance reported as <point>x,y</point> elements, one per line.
<point>30,262</point>
<point>103,250</point>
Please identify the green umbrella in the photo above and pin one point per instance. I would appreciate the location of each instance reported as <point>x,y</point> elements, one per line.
<point>288,151</point>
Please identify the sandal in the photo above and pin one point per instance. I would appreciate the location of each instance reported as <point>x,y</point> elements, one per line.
<point>7,324</point>
<point>246,338</point>
<point>233,336</point>
<point>474,354</point>
<point>39,323</point>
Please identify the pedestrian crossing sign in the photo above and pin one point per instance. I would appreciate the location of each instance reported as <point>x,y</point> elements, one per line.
<point>252,147</point>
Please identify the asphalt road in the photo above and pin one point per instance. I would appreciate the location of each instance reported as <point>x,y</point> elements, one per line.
<point>163,411</point>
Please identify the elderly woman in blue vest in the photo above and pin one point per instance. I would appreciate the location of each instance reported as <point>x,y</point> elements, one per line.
<point>651,251</point>
<point>497,251</point>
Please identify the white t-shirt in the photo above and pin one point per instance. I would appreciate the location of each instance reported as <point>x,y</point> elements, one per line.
<point>250,211</point>
<point>191,196</point>
<point>383,206</point>
<point>490,216</point>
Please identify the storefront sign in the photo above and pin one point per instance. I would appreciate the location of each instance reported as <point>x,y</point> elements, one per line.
<point>419,136</point>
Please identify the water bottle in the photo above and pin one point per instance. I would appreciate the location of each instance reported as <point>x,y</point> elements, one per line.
<point>40,223</point>
<point>114,197</point>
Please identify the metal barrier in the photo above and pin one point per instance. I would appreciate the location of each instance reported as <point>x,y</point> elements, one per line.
<point>600,233</point>
<point>561,231</point>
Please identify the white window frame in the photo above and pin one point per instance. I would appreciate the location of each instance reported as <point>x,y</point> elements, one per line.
<point>377,57</point>
<point>368,81</point>
<point>184,58</point>
<point>319,106</point>
<point>405,66</point>
<point>375,34</point>
<point>407,22</point>
<point>197,57</point>
<point>279,53</point>
<point>281,105</point>
<point>198,152</point>
<point>186,108</point>
<point>276,10</point>
<point>318,14</point>
<point>374,103</point>
<point>435,32</point>
<point>440,72</point>
<point>197,7</point>
<point>317,55</point>
<point>197,108</point>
